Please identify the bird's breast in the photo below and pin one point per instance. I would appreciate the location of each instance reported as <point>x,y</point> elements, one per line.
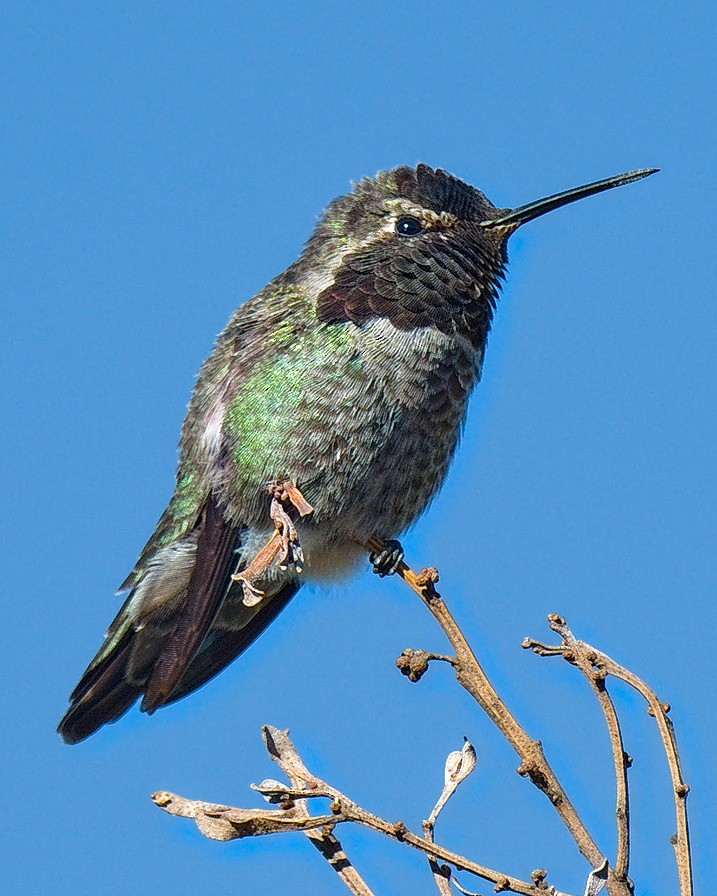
<point>363,418</point>
<point>403,424</point>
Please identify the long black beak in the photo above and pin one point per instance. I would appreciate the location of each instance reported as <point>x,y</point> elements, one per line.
<point>523,213</point>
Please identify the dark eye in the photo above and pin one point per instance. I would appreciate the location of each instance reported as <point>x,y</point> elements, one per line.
<point>408,226</point>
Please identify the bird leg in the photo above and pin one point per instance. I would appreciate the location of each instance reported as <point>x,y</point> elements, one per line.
<point>255,571</point>
<point>282,494</point>
<point>385,562</point>
<point>291,553</point>
<point>283,544</point>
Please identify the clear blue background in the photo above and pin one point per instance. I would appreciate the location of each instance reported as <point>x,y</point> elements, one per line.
<point>159,163</point>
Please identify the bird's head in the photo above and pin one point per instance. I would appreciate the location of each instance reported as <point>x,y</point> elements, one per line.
<point>422,248</point>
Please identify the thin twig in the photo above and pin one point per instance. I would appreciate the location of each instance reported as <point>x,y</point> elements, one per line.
<point>292,814</point>
<point>584,657</point>
<point>441,873</point>
<point>322,838</point>
<point>471,676</point>
<point>607,666</point>
<point>459,764</point>
<point>330,848</point>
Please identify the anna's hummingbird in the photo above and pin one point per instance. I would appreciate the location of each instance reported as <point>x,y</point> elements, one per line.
<point>343,383</point>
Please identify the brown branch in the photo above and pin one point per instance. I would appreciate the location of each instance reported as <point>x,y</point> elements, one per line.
<point>221,822</point>
<point>581,655</point>
<point>594,663</point>
<point>322,838</point>
<point>471,676</point>
<point>441,873</point>
<point>330,848</point>
<point>345,809</point>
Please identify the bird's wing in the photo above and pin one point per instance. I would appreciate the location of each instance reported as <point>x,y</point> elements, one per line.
<point>207,587</point>
<point>183,574</point>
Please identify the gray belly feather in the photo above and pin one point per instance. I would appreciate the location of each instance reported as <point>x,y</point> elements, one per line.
<point>380,449</point>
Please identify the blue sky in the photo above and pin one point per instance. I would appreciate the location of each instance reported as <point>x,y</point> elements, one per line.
<point>159,163</point>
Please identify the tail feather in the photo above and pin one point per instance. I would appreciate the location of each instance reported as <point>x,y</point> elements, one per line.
<point>103,694</point>
<point>114,642</point>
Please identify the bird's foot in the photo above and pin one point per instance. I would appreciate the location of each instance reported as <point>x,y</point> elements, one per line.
<point>285,495</point>
<point>283,547</point>
<point>386,561</point>
<point>290,552</point>
<point>287,491</point>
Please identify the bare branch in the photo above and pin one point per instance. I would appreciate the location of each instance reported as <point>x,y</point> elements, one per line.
<point>326,842</point>
<point>330,848</point>
<point>459,764</point>
<point>581,655</point>
<point>222,822</point>
<point>539,878</point>
<point>291,800</point>
<point>459,886</point>
<point>576,652</point>
<point>471,676</point>
<point>441,876</point>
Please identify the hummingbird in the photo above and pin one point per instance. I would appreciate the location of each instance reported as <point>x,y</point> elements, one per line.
<point>326,416</point>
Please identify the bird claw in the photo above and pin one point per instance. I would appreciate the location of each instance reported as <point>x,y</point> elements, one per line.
<point>282,549</point>
<point>290,553</point>
<point>386,561</point>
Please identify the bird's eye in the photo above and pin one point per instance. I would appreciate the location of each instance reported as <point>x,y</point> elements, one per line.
<point>408,226</point>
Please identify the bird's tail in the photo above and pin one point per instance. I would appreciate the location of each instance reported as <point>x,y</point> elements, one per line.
<point>111,686</point>
<point>183,622</point>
